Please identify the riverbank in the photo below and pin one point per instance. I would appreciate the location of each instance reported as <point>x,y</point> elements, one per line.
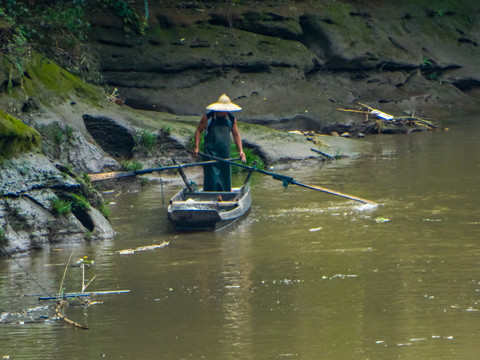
<point>297,62</point>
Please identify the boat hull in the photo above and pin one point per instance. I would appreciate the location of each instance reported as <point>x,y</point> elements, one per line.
<point>202,211</point>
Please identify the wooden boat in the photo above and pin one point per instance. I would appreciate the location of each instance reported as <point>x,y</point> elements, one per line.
<point>201,210</point>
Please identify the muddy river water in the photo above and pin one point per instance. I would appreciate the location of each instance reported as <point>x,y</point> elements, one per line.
<point>305,275</point>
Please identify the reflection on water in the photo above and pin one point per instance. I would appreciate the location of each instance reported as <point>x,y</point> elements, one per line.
<point>305,275</point>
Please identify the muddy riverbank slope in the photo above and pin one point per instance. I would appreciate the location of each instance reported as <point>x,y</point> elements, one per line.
<point>292,64</point>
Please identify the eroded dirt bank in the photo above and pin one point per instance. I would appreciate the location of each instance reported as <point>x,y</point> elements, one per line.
<point>295,63</point>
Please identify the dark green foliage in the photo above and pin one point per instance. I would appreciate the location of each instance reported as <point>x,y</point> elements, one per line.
<point>59,29</point>
<point>250,156</point>
<point>75,202</point>
<point>79,202</point>
<point>130,165</point>
<point>144,141</point>
<point>104,209</point>
<point>2,237</point>
<point>133,22</point>
<point>61,206</point>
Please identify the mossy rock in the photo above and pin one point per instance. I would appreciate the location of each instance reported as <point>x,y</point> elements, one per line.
<point>16,137</point>
<point>50,83</point>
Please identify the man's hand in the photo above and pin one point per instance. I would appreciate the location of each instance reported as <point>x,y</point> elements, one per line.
<point>242,156</point>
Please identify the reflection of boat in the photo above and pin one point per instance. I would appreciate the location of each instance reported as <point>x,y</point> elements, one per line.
<point>201,210</point>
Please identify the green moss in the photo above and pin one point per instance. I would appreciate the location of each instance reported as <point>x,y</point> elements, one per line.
<point>337,11</point>
<point>49,82</point>
<point>16,137</point>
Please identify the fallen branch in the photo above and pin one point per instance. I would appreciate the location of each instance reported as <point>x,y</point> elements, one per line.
<point>61,304</point>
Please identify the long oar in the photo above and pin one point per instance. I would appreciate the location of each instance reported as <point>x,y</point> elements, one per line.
<point>289,180</point>
<point>120,174</point>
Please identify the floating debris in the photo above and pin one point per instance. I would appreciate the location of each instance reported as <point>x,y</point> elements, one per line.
<point>232,286</point>
<point>85,261</point>
<point>415,340</point>
<point>339,276</point>
<point>381,220</point>
<point>81,294</point>
<point>284,281</point>
<point>418,339</point>
<point>383,121</point>
<point>141,248</point>
<point>31,315</point>
<point>58,310</point>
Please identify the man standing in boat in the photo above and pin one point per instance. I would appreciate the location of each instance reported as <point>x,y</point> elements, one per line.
<point>218,123</point>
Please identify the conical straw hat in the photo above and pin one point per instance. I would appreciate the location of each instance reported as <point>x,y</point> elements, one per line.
<point>224,104</point>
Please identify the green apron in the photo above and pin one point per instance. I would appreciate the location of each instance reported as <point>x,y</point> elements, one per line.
<point>217,177</point>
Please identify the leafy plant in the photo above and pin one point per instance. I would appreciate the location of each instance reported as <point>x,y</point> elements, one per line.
<point>144,141</point>
<point>69,132</point>
<point>426,62</point>
<point>250,156</point>
<point>429,69</point>
<point>131,165</point>
<point>133,23</point>
<point>79,202</point>
<point>58,136</point>
<point>167,130</point>
<point>104,209</point>
<point>85,178</point>
<point>61,206</point>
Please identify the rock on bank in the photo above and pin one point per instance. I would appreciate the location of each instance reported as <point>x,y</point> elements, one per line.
<point>41,205</point>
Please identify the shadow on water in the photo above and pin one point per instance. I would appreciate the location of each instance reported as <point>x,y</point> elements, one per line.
<point>305,275</point>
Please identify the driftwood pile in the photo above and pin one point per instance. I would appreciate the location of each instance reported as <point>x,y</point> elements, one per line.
<point>382,122</point>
